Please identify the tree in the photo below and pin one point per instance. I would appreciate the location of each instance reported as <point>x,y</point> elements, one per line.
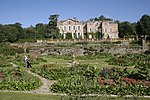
<point>10,33</point>
<point>20,30</point>
<point>134,26</point>
<point>144,26</point>
<point>52,26</point>
<point>30,32</point>
<point>41,29</point>
<point>2,33</point>
<point>101,18</point>
<point>125,29</point>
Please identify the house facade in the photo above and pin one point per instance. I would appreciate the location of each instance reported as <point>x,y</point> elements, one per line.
<point>89,29</point>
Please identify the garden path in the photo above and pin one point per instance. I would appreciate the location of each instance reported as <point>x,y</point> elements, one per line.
<point>44,89</point>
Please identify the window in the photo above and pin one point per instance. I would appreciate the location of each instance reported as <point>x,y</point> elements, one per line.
<point>90,29</point>
<point>64,27</point>
<point>110,30</point>
<point>78,27</point>
<point>74,27</point>
<point>105,29</point>
<point>78,34</point>
<point>69,27</point>
<point>69,22</point>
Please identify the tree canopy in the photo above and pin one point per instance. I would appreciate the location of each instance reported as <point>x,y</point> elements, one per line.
<point>143,26</point>
<point>100,18</point>
<point>125,29</point>
<point>52,26</point>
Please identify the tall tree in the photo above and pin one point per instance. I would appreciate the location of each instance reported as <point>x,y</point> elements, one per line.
<point>41,30</point>
<point>144,25</point>
<point>52,26</point>
<point>20,30</point>
<point>30,32</point>
<point>134,26</point>
<point>125,29</point>
<point>102,18</point>
<point>1,33</point>
<point>11,33</point>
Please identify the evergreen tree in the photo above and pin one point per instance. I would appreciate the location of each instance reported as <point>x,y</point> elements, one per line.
<point>52,26</point>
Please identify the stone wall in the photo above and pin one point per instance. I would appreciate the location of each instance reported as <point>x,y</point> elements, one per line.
<point>84,50</point>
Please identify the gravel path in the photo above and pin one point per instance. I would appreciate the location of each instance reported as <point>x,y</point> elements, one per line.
<point>44,89</point>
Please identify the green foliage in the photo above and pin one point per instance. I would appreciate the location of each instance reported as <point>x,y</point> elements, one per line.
<point>68,36</point>
<point>11,32</point>
<point>111,73</point>
<point>143,70</point>
<point>4,61</point>
<point>17,79</point>
<point>100,18</point>
<point>128,59</point>
<point>136,42</point>
<point>81,79</point>
<point>51,71</point>
<point>95,56</point>
<point>65,57</point>
<point>52,26</point>
<point>125,29</point>
<point>140,61</point>
<point>6,49</point>
<point>144,25</point>
<point>41,29</point>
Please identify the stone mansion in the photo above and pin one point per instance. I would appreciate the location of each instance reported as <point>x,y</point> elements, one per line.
<point>89,29</point>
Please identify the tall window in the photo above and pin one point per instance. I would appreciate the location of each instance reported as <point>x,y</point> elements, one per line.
<point>64,27</point>
<point>74,27</point>
<point>69,27</point>
<point>105,29</point>
<point>78,27</point>
<point>110,30</point>
<point>90,29</point>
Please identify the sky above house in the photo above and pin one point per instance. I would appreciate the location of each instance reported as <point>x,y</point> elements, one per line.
<point>31,12</point>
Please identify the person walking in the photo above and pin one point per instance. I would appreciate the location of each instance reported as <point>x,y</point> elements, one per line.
<point>28,65</point>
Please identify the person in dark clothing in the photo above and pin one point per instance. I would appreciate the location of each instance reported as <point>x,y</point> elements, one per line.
<point>28,65</point>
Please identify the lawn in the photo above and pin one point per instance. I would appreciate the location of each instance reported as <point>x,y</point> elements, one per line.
<point>99,63</point>
<point>27,96</point>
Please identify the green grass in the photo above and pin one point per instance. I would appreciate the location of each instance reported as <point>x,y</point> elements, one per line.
<point>51,60</point>
<point>27,96</point>
<point>99,63</point>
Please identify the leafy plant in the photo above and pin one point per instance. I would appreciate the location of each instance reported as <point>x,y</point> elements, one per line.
<point>18,79</point>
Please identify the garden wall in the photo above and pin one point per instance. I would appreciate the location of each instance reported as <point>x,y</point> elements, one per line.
<point>84,50</point>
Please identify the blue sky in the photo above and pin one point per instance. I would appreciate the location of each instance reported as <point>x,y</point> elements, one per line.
<point>31,12</point>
